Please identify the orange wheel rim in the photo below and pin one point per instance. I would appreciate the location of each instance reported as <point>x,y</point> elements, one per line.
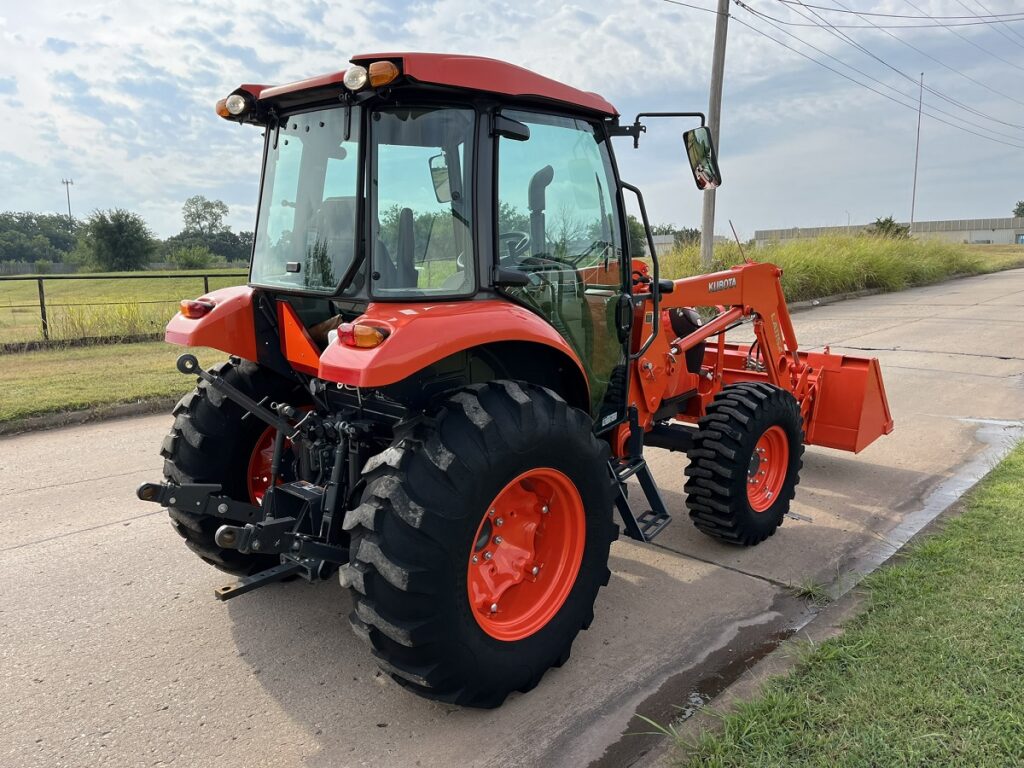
<point>766,473</point>
<point>526,554</point>
<point>260,462</point>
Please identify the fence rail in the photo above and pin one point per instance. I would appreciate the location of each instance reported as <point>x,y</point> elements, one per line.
<point>41,280</point>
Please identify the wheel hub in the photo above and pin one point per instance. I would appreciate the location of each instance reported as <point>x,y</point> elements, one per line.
<point>767,469</point>
<point>526,554</point>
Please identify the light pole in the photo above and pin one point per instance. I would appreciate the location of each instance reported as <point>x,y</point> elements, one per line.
<point>67,188</point>
<point>847,223</point>
<point>917,153</point>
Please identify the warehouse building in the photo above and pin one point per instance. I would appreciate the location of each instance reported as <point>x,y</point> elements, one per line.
<point>1007,231</point>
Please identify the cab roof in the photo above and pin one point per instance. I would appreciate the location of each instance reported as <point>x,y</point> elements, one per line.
<point>474,73</point>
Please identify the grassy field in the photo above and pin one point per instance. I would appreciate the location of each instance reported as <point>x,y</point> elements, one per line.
<point>832,265</point>
<point>929,675</point>
<point>51,381</point>
<point>130,306</point>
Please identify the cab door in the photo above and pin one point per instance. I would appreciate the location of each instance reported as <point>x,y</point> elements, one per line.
<point>559,223</point>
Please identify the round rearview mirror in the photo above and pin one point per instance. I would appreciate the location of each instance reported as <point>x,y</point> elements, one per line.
<point>700,150</point>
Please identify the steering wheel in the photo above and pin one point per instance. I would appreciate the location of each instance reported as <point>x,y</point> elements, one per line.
<point>512,245</point>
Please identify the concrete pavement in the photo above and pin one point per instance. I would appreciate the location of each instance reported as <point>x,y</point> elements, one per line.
<point>114,652</point>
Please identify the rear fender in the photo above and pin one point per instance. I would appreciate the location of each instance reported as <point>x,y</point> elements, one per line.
<point>419,335</point>
<point>229,326</point>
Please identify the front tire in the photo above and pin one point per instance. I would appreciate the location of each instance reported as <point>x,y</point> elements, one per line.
<point>745,463</point>
<point>210,442</point>
<point>466,588</point>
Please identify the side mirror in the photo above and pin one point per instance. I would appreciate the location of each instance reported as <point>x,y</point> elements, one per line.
<point>439,178</point>
<point>701,152</point>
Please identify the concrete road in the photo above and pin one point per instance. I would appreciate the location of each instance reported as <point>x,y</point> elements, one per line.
<point>114,652</point>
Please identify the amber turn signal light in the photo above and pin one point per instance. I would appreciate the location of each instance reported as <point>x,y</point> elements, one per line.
<point>195,309</point>
<point>365,336</point>
<point>382,73</point>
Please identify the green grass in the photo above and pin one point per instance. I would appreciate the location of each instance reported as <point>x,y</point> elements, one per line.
<point>130,306</point>
<point>929,675</point>
<point>50,381</point>
<point>827,266</point>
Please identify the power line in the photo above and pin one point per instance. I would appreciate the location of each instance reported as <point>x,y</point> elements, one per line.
<point>995,27</point>
<point>758,15</point>
<point>968,40</point>
<point>927,55</point>
<point>846,38</point>
<point>994,16</point>
<point>936,23</point>
<point>1015,32</point>
<point>845,76</point>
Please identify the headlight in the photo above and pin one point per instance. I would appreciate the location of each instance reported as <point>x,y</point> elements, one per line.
<point>355,77</point>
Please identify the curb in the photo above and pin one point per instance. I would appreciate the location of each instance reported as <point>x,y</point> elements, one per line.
<point>101,413</point>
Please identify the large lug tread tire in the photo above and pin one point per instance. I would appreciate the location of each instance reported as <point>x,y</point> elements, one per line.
<point>412,535</point>
<point>725,440</point>
<point>210,442</point>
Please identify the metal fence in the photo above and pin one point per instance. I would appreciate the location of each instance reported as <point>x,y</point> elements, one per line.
<point>43,306</point>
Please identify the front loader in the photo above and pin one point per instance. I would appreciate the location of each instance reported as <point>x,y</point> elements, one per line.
<point>448,362</point>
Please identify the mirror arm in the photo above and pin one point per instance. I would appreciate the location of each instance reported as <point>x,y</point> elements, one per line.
<point>634,130</point>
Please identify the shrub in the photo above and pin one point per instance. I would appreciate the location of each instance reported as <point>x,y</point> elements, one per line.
<point>191,257</point>
<point>43,267</point>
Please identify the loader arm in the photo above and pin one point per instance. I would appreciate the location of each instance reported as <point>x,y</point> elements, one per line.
<point>842,399</point>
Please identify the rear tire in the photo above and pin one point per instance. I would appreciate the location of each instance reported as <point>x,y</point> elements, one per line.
<point>745,463</point>
<point>211,443</point>
<point>427,500</point>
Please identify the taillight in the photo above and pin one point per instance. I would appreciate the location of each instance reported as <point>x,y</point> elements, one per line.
<point>195,309</point>
<point>364,336</point>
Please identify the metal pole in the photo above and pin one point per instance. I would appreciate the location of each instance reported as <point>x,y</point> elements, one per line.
<point>67,188</point>
<point>917,152</point>
<point>707,225</point>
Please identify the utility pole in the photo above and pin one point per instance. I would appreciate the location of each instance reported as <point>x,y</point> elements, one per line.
<point>707,224</point>
<point>917,152</point>
<point>67,188</point>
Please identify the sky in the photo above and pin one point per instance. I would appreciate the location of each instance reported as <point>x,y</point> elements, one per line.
<point>118,95</point>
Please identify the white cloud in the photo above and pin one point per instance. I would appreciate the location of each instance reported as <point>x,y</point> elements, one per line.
<point>119,95</point>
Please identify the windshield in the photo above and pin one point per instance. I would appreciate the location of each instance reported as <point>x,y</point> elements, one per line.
<point>306,231</point>
<point>420,187</point>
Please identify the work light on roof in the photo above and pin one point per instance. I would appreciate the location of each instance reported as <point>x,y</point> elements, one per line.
<point>236,104</point>
<point>356,77</point>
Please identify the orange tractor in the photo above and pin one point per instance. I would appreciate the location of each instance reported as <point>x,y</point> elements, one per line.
<point>447,363</point>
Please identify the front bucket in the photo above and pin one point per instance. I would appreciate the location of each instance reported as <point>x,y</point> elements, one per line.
<point>850,409</point>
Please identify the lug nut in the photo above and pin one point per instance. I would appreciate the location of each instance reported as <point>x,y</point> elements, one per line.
<point>499,521</point>
<point>494,607</point>
<point>476,559</point>
<point>498,539</point>
<point>544,510</point>
<point>491,513</point>
<point>535,570</point>
<point>488,555</point>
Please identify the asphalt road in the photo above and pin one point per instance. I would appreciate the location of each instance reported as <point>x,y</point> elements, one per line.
<point>114,652</point>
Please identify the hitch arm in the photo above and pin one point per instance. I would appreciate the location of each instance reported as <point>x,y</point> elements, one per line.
<point>189,365</point>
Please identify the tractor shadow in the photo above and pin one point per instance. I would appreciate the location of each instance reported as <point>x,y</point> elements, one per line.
<point>843,506</point>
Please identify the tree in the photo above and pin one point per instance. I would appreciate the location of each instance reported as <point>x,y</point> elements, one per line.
<point>118,240</point>
<point>204,216</point>
<point>28,236</point>
<point>889,227</point>
<point>637,236</point>
<point>1018,210</point>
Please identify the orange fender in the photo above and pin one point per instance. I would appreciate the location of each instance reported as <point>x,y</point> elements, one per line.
<point>420,334</point>
<point>228,327</point>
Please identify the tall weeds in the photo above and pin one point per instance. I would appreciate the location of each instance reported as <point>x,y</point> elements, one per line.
<point>830,265</point>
